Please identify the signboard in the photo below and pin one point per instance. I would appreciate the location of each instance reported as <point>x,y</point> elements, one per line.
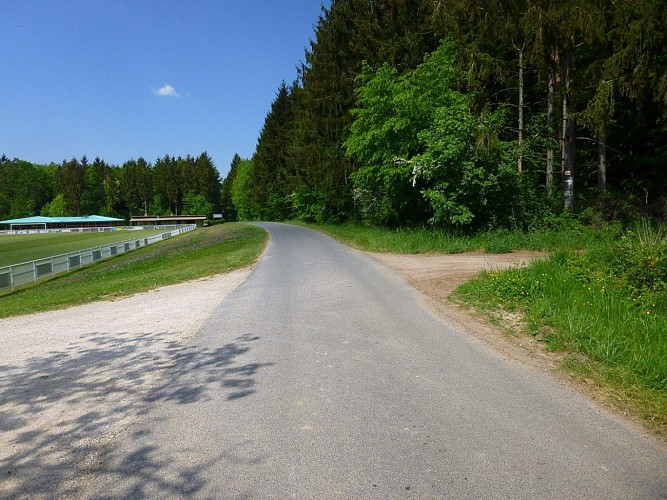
<point>217,216</point>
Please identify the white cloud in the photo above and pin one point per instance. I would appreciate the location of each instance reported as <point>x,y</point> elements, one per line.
<point>167,91</point>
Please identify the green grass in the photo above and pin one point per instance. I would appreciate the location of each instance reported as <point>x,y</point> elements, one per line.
<point>374,239</point>
<point>18,248</point>
<point>199,253</point>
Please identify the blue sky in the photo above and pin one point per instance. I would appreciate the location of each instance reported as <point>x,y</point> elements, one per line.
<point>120,79</point>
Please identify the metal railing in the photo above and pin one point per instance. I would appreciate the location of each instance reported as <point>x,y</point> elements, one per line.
<point>102,229</point>
<point>16,275</point>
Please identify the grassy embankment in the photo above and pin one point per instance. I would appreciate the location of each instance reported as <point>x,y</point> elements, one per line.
<point>18,248</point>
<point>600,299</point>
<point>199,253</point>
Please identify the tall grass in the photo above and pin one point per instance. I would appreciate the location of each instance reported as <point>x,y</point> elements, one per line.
<point>408,240</point>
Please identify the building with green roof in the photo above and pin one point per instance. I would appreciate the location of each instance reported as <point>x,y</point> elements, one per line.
<point>40,222</point>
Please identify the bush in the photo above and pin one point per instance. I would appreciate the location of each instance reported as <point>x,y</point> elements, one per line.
<point>309,205</point>
<point>634,261</point>
<point>642,258</point>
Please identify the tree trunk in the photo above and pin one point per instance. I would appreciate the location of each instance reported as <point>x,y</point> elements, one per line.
<point>569,125</point>
<point>602,164</point>
<point>520,161</point>
<point>551,122</point>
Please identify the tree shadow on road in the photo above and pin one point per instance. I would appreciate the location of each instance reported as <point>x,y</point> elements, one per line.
<point>60,414</point>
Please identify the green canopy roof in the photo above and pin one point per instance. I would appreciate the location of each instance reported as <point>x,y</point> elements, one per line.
<point>60,220</point>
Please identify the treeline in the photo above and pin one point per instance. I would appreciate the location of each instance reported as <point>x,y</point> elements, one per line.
<point>467,114</point>
<point>169,186</point>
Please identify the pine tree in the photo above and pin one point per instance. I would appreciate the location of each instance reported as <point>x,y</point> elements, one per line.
<point>227,203</point>
<point>71,179</point>
<point>272,176</point>
<point>349,33</point>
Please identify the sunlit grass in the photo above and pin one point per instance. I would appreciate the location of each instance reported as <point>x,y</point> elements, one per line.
<point>199,253</point>
<point>17,248</point>
<point>422,240</point>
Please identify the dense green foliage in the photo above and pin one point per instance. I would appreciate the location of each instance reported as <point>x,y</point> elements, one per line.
<point>204,252</point>
<point>246,207</point>
<point>419,128</point>
<point>170,186</point>
<point>470,115</point>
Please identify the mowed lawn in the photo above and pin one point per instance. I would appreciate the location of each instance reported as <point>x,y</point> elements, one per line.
<point>18,248</point>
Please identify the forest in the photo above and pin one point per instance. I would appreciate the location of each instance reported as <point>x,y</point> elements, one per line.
<point>170,186</point>
<point>466,115</point>
<point>463,115</point>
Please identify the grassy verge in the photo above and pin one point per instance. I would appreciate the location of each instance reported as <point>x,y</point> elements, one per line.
<point>373,239</point>
<point>203,252</point>
<point>18,248</point>
<point>601,298</point>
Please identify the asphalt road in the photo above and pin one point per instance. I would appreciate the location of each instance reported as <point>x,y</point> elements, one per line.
<point>322,377</point>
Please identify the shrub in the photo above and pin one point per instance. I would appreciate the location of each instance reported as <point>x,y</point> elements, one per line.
<point>309,205</point>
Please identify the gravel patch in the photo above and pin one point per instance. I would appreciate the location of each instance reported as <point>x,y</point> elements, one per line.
<point>72,380</point>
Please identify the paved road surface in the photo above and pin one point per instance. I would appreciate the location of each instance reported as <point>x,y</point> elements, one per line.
<point>322,377</point>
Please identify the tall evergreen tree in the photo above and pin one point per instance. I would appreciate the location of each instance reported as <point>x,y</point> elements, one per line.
<point>71,180</point>
<point>272,178</point>
<point>346,35</point>
<point>636,72</point>
<point>93,194</point>
<point>137,186</point>
<point>209,184</point>
<point>228,208</point>
<point>167,183</point>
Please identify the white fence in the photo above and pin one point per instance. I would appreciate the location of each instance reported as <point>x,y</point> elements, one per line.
<point>91,229</point>
<point>30,272</point>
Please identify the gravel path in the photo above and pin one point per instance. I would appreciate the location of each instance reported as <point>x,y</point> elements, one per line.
<point>71,380</point>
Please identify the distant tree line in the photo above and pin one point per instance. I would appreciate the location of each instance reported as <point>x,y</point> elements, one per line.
<point>169,186</point>
<point>466,114</point>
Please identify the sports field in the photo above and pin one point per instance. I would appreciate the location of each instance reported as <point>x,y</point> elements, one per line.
<point>15,249</point>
